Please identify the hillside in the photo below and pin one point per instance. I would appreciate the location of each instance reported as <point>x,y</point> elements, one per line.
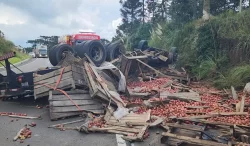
<point>7,46</point>
<point>217,50</point>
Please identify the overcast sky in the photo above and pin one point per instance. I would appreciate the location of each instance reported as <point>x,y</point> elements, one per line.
<point>21,20</point>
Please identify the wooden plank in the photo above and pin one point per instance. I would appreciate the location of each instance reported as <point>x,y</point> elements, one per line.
<point>234,94</point>
<point>72,96</point>
<point>185,96</point>
<point>160,73</point>
<point>242,104</point>
<point>193,140</point>
<point>71,92</point>
<point>123,64</point>
<point>118,101</point>
<point>208,122</point>
<point>64,83</point>
<point>56,116</point>
<point>51,74</point>
<point>184,126</point>
<point>91,82</point>
<point>229,114</point>
<point>53,80</point>
<point>137,57</point>
<point>74,108</point>
<point>69,103</point>
<point>197,107</point>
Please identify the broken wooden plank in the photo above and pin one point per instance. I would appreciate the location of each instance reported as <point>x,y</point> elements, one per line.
<point>229,114</point>
<point>131,117</point>
<point>72,96</point>
<point>79,102</point>
<point>242,104</point>
<point>24,117</point>
<point>193,140</point>
<point>197,107</point>
<point>55,116</point>
<point>138,137</point>
<point>74,108</point>
<point>18,133</point>
<point>234,94</point>
<point>184,126</point>
<point>185,96</point>
<point>55,92</point>
<point>51,74</point>
<point>66,123</point>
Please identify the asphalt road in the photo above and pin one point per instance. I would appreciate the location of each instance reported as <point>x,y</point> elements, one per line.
<point>43,136</point>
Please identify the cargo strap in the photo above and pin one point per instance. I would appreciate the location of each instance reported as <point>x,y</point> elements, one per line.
<point>65,93</point>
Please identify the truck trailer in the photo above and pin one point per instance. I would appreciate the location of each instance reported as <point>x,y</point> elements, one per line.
<point>41,51</point>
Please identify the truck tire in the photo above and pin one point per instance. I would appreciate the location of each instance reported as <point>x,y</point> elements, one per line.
<point>61,50</point>
<point>94,49</point>
<point>143,45</point>
<point>52,56</point>
<point>114,50</point>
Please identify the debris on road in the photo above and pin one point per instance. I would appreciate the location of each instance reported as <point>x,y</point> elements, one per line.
<point>25,117</point>
<point>72,104</point>
<point>23,134</point>
<point>33,124</point>
<point>137,94</point>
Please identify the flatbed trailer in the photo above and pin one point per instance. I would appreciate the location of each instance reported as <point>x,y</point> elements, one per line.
<point>16,85</point>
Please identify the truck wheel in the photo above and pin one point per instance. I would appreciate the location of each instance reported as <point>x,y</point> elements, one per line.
<point>52,56</point>
<point>143,45</point>
<point>94,49</point>
<point>61,50</point>
<point>114,50</point>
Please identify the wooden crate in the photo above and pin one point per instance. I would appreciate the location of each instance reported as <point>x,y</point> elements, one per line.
<point>61,106</point>
<point>72,78</point>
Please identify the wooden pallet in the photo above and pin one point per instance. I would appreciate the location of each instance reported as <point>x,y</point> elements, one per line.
<point>188,134</point>
<point>62,107</point>
<point>72,78</point>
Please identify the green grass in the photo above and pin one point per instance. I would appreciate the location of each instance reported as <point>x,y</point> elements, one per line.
<point>19,57</point>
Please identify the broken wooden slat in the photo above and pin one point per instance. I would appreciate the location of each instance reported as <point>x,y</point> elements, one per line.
<point>197,107</point>
<point>51,74</point>
<point>138,137</point>
<point>185,96</point>
<point>55,92</point>
<point>184,126</point>
<point>229,114</point>
<point>193,140</point>
<point>242,104</point>
<point>235,96</point>
<point>74,108</point>
<point>56,116</point>
<point>75,97</point>
<point>69,103</point>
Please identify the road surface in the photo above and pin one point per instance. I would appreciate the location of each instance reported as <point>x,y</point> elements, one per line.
<point>31,65</point>
<point>43,136</point>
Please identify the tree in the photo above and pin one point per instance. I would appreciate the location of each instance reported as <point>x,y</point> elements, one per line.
<point>206,10</point>
<point>49,41</point>
<point>184,11</point>
<point>105,41</point>
<point>131,13</point>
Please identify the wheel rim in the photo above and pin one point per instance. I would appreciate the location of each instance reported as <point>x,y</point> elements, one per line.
<point>96,53</point>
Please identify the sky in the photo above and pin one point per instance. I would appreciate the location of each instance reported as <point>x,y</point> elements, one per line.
<point>22,20</point>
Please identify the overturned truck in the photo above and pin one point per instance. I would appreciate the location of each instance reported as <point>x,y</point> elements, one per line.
<point>85,43</point>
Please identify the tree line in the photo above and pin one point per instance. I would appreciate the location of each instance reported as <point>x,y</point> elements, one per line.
<point>48,41</point>
<point>140,16</point>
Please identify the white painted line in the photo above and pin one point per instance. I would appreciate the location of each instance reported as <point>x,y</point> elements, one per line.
<point>120,141</point>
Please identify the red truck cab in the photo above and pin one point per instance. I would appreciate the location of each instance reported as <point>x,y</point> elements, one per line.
<point>74,39</point>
